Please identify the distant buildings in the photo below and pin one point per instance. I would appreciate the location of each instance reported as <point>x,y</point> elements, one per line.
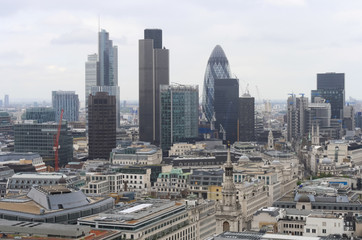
<point>91,75</point>
<point>153,72</point>
<point>226,107</point>
<point>40,114</point>
<point>217,68</point>
<point>101,125</point>
<point>6,101</point>
<point>69,102</point>
<point>179,114</point>
<point>6,126</point>
<point>39,138</point>
<point>331,87</point>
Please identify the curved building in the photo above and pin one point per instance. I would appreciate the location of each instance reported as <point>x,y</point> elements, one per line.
<point>217,68</point>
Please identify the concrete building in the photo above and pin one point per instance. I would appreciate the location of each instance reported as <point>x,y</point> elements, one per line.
<point>139,153</point>
<point>323,225</point>
<point>202,181</point>
<point>266,219</point>
<point>179,114</point>
<point>182,149</point>
<point>297,124</point>
<point>172,184</point>
<point>158,219</point>
<point>6,126</point>
<point>23,162</point>
<point>153,72</point>
<point>39,138</point>
<point>69,102</point>
<point>101,125</point>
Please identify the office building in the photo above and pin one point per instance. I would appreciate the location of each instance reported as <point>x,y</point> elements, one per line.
<point>40,114</point>
<point>297,117</point>
<point>6,101</point>
<point>217,68</point>
<point>158,219</point>
<point>246,118</point>
<point>226,107</point>
<point>101,125</point>
<point>153,72</point>
<point>179,114</point>
<point>91,75</point>
<point>39,138</point>
<point>6,126</point>
<point>331,87</point>
<point>69,102</point>
<point>52,204</point>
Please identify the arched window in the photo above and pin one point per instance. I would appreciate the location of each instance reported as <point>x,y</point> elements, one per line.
<point>226,226</point>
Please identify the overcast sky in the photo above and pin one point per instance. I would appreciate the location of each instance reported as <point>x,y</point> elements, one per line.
<point>276,46</point>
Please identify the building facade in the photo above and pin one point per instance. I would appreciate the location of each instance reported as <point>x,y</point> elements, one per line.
<point>226,106</point>
<point>69,102</point>
<point>101,125</point>
<point>41,114</point>
<point>39,138</point>
<point>217,68</point>
<point>246,118</point>
<point>153,72</point>
<point>179,114</point>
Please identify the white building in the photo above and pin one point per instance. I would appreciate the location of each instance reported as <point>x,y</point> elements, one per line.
<point>323,225</point>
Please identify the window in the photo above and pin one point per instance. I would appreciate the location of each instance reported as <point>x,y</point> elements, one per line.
<point>324,230</point>
<point>313,230</point>
<point>307,230</point>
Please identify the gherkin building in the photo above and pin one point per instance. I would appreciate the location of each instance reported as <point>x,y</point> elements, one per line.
<point>217,68</point>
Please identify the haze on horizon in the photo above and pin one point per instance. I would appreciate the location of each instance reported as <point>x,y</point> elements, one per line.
<point>277,45</point>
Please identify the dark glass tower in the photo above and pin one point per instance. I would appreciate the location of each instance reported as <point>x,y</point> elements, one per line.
<point>153,72</point>
<point>217,68</point>
<point>330,86</point>
<point>101,125</point>
<point>226,108</point>
<point>246,118</point>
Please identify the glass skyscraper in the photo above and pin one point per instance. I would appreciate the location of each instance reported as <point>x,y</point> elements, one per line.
<point>179,114</point>
<point>69,102</point>
<point>217,68</point>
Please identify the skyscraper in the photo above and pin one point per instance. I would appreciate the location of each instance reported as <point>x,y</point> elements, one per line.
<point>69,102</point>
<point>217,68</point>
<point>297,117</point>
<point>246,119</point>
<point>6,101</point>
<point>226,106</point>
<point>179,114</point>
<point>101,125</point>
<point>101,71</point>
<point>153,72</point>
<point>330,86</point>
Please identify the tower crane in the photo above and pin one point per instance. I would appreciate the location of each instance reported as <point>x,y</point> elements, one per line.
<point>56,142</point>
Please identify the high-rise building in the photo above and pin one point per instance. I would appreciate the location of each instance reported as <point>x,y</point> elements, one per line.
<point>153,72</point>
<point>101,125</point>
<point>246,120</point>
<point>39,138</point>
<point>217,68</point>
<point>6,126</point>
<point>69,102</point>
<point>297,117</point>
<point>226,107</point>
<point>40,114</point>
<point>179,114</point>
<point>330,86</point>
<point>108,60</point>
<point>102,71</point>
<point>91,75</point>
<point>6,101</point>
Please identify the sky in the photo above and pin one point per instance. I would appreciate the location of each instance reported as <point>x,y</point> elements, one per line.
<point>274,47</point>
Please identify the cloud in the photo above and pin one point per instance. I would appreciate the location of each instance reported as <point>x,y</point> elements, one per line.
<point>77,36</point>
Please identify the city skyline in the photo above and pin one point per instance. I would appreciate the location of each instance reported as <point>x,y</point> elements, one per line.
<point>277,45</point>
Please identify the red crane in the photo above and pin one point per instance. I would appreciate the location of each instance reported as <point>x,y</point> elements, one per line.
<point>56,142</point>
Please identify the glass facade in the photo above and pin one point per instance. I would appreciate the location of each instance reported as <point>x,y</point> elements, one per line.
<point>217,68</point>
<point>179,114</point>
<point>40,114</point>
<point>69,102</point>
<point>39,138</point>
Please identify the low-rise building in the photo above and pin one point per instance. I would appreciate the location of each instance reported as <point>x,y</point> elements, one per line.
<point>158,219</point>
<point>202,179</point>
<point>323,225</point>
<point>172,183</point>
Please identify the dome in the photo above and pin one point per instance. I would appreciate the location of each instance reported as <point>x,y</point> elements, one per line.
<point>244,159</point>
<point>304,198</point>
<point>326,161</point>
